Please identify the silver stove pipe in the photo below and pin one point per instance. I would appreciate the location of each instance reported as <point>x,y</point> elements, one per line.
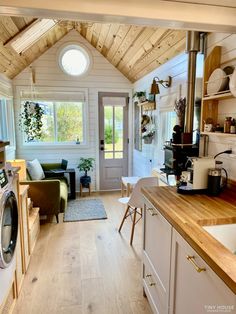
<point>192,48</point>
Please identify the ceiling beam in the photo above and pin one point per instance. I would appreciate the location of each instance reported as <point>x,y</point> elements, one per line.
<point>168,14</point>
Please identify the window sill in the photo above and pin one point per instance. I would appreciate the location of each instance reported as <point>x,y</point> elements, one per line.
<point>55,146</point>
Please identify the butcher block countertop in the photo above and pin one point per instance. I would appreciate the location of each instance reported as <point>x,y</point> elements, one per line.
<point>188,213</point>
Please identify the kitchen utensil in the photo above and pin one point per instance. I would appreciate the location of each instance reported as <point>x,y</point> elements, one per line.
<point>215,181</point>
<point>217,81</point>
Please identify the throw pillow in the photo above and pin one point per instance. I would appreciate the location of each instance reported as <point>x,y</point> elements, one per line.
<point>35,170</point>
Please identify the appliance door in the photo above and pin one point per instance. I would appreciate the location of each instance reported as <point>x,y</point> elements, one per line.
<point>9,227</point>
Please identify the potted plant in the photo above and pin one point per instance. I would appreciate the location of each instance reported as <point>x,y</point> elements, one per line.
<point>148,137</point>
<point>140,95</point>
<point>31,120</point>
<point>85,164</point>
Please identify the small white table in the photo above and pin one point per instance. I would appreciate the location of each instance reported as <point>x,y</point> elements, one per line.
<point>127,183</point>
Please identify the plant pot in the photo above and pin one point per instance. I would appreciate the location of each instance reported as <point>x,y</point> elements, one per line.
<point>148,140</point>
<point>85,180</point>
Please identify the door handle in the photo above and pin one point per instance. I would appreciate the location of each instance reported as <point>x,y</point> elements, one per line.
<point>101,148</point>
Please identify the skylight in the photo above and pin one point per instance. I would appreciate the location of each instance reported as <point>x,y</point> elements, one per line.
<point>27,38</point>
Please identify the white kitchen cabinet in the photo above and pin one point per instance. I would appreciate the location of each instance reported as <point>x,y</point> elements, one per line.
<point>194,286</point>
<point>156,258</point>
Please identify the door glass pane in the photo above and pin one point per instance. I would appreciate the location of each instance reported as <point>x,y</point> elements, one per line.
<point>118,128</point>
<point>118,155</point>
<point>108,155</point>
<point>108,128</point>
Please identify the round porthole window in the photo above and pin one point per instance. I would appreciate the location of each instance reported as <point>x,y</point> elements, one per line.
<point>74,60</point>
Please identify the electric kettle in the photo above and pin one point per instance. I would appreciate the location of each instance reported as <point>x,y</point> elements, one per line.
<point>216,182</point>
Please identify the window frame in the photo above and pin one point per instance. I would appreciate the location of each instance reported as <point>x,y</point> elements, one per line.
<point>74,45</point>
<point>7,125</point>
<point>43,91</point>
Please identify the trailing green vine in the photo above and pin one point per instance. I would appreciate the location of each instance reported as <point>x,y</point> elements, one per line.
<point>31,120</point>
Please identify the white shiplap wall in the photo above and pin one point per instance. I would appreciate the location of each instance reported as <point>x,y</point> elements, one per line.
<point>225,107</point>
<point>101,77</point>
<point>151,154</point>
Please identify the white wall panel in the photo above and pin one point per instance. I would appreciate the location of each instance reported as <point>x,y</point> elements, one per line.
<point>150,157</point>
<point>102,77</point>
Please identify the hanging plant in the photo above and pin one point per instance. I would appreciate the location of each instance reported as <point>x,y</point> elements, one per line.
<point>31,120</point>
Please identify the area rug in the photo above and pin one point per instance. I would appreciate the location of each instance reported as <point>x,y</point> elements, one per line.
<point>81,210</point>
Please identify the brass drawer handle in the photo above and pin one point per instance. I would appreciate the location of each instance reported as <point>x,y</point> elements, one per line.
<point>152,211</point>
<point>151,283</point>
<point>191,259</point>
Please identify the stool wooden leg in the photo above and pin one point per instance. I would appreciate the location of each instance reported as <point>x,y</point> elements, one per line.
<point>122,189</point>
<point>89,188</point>
<point>81,190</point>
<point>124,217</point>
<point>128,189</point>
<point>133,225</point>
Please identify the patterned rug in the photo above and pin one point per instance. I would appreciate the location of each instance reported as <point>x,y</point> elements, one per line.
<point>90,209</point>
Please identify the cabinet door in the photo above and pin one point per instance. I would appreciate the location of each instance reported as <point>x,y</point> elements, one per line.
<point>157,251</point>
<point>192,291</point>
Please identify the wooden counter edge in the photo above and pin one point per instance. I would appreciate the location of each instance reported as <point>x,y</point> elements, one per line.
<point>222,273</point>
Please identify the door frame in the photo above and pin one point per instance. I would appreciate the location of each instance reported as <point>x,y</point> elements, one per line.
<point>130,131</point>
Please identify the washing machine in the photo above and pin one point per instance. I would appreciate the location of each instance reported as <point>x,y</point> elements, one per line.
<point>8,230</point>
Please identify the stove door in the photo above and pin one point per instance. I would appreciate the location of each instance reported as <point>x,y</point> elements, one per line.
<point>9,228</point>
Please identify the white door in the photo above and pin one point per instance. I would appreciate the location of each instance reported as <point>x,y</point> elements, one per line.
<point>113,139</point>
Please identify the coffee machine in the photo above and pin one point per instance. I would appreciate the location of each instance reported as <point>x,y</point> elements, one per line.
<point>195,180</point>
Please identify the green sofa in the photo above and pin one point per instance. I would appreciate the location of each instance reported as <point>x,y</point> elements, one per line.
<point>49,194</point>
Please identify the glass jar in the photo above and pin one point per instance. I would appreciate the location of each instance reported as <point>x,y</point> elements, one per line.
<point>227,124</point>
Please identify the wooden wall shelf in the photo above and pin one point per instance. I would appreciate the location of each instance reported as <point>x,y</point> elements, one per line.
<point>219,134</point>
<point>225,95</point>
<point>148,105</point>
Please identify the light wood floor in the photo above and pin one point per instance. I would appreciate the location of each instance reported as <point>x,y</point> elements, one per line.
<point>86,267</point>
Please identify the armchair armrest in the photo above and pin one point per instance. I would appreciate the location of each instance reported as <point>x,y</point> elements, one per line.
<point>45,194</point>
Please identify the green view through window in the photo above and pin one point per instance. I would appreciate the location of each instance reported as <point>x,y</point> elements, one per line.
<point>62,122</point>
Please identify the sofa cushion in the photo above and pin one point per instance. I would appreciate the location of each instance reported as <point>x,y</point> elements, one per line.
<point>35,170</point>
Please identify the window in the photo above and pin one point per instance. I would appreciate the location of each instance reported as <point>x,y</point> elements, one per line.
<point>167,120</point>
<point>74,60</point>
<point>63,122</point>
<point>7,121</point>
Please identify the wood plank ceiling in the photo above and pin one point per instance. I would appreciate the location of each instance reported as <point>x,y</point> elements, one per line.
<point>133,50</point>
